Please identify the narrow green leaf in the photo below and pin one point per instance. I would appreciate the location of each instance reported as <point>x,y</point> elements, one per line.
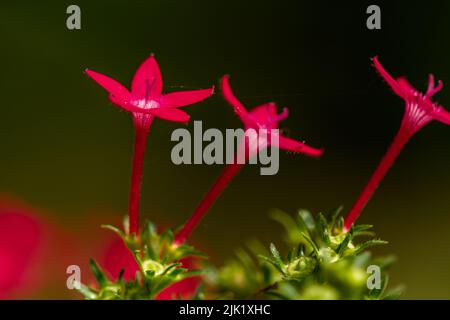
<point>363,246</point>
<point>394,294</point>
<point>301,250</point>
<point>276,254</point>
<point>344,244</point>
<point>323,229</point>
<point>340,223</point>
<point>311,242</point>
<point>385,262</point>
<point>302,226</point>
<point>335,216</point>
<point>170,267</point>
<point>168,236</point>
<point>273,263</point>
<point>87,292</point>
<point>114,229</point>
<point>290,256</point>
<point>282,218</point>
<point>307,219</point>
<point>98,273</point>
<point>362,227</point>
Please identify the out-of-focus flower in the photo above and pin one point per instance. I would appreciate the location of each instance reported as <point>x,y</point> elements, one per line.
<point>20,239</point>
<point>34,253</point>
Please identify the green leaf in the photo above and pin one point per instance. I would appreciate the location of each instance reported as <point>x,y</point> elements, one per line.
<point>362,259</point>
<point>273,263</point>
<point>168,236</point>
<point>98,273</point>
<point>177,272</point>
<point>245,258</point>
<point>344,244</point>
<point>323,229</point>
<point>170,267</point>
<point>362,227</point>
<point>87,292</point>
<point>311,242</point>
<point>114,229</point>
<point>376,293</point>
<point>126,224</point>
<point>335,216</point>
<point>307,218</point>
<point>302,226</point>
<point>276,254</point>
<point>340,223</point>
<point>363,246</point>
<point>282,218</point>
<point>362,230</point>
<point>364,234</point>
<point>300,250</point>
<point>394,294</point>
<point>385,262</point>
<point>290,256</point>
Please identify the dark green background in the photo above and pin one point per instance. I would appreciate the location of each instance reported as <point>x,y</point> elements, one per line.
<point>66,149</point>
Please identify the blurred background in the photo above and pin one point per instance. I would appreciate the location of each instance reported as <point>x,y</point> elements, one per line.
<point>66,151</point>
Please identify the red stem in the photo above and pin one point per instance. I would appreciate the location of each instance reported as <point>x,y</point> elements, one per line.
<point>225,178</point>
<point>388,160</point>
<point>140,141</point>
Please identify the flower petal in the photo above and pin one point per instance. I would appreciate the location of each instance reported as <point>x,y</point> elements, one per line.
<point>170,114</point>
<point>239,108</point>
<point>432,90</point>
<point>127,106</point>
<point>405,85</point>
<point>184,98</point>
<point>442,115</point>
<point>112,86</point>
<point>265,114</point>
<point>298,147</point>
<point>388,78</point>
<point>147,81</point>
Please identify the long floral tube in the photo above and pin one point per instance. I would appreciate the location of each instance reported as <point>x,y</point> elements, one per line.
<point>221,183</point>
<point>386,163</point>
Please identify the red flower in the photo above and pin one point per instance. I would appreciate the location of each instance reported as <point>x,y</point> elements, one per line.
<point>117,257</point>
<point>259,124</point>
<point>146,101</point>
<point>20,236</point>
<point>263,120</point>
<point>419,111</point>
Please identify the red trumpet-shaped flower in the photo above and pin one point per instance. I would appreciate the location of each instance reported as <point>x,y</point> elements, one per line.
<point>260,132</point>
<point>419,111</point>
<point>146,101</point>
